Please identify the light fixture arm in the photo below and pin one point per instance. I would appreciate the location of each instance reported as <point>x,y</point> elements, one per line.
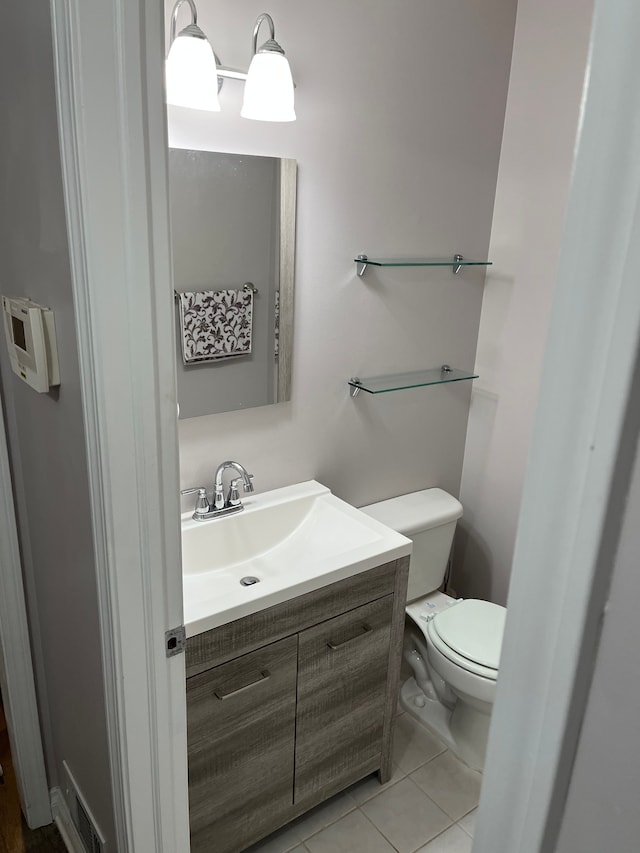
<point>174,17</point>
<point>271,45</point>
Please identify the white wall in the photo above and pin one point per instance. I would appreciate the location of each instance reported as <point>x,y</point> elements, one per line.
<point>547,73</point>
<point>400,108</point>
<point>602,811</point>
<point>46,431</point>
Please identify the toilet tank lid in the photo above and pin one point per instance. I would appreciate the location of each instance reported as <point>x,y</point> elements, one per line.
<point>408,514</point>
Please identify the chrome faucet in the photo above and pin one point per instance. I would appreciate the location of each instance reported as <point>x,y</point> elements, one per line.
<point>221,505</point>
<point>233,498</point>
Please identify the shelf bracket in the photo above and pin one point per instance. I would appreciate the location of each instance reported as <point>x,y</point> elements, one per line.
<point>354,381</point>
<point>457,264</point>
<point>361,265</point>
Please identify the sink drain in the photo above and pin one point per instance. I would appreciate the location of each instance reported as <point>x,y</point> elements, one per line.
<point>249,581</point>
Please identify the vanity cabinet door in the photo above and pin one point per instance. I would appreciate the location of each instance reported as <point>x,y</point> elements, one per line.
<point>342,690</point>
<point>241,730</point>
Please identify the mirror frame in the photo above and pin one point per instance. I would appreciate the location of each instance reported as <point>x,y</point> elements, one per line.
<point>288,190</point>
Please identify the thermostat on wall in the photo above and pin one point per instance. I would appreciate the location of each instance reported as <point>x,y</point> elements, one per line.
<point>31,340</point>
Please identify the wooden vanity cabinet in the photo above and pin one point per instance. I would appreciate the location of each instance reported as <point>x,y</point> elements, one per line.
<point>342,688</point>
<point>290,705</point>
<point>241,746</point>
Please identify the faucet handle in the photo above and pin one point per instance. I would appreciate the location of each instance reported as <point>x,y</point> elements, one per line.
<point>202,501</point>
<point>198,489</point>
<point>234,498</point>
<point>218,497</point>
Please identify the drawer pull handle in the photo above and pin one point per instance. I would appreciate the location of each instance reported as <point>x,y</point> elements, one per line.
<point>366,629</point>
<point>220,694</point>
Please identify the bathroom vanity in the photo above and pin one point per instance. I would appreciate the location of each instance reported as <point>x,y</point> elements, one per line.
<point>291,704</point>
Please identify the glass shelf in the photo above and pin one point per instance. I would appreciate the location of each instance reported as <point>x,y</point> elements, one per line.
<point>457,262</point>
<point>417,379</point>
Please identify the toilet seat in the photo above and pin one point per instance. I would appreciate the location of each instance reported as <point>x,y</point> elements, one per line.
<point>469,634</point>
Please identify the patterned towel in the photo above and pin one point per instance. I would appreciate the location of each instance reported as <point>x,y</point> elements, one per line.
<point>216,324</point>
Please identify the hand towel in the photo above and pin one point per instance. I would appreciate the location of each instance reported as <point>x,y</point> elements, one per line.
<point>215,324</point>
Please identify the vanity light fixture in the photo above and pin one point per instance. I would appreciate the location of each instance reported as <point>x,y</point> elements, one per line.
<point>195,75</point>
<point>268,92</point>
<point>191,68</point>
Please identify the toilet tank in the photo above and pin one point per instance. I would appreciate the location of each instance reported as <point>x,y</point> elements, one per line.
<point>429,519</point>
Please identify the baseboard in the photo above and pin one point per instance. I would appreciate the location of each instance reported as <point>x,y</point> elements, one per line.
<point>66,827</point>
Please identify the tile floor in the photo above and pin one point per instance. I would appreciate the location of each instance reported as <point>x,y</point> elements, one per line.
<point>428,806</point>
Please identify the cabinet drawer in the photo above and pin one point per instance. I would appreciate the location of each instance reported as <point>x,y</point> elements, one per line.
<point>241,729</point>
<point>342,689</point>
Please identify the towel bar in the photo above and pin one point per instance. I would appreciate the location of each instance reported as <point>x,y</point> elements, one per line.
<point>248,286</point>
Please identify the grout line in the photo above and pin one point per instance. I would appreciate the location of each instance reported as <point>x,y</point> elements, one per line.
<point>470,810</point>
<point>433,758</point>
<point>379,831</point>
<point>462,829</point>
<point>424,844</point>
<point>463,817</point>
<point>333,822</point>
<point>326,825</point>
<point>428,797</point>
<point>442,808</point>
<point>438,806</point>
<point>382,791</point>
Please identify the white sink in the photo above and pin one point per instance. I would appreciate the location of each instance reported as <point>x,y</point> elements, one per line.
<point>293,540</point>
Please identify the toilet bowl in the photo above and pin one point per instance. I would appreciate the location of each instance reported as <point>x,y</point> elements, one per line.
<point>453,646</point>
<point>460,646</point>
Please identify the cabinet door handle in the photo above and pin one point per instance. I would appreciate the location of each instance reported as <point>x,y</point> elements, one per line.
<point>366,629</point>
<point>221,694</point>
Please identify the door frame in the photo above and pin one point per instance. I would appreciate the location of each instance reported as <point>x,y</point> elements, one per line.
<point>108,60</point>
<point>580,462</point>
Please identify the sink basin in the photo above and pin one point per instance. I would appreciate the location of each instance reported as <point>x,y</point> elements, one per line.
<point>292,540</point>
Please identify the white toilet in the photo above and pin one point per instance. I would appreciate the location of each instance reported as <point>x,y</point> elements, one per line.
<point>453,646</point>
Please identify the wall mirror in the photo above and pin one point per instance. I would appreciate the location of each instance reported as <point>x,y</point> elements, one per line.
<point>232,232</point>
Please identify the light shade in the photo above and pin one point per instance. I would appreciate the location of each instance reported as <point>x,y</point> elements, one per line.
<point>268,92</point>
<point>191,73</point>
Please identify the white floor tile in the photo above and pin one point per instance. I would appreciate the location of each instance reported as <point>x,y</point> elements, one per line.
<point>468,822</point>
<point>413,745</point>
<point>324,815</point>
<point>351,834</point>
<point>282,841</point>
<point>370,787</point>
<point>406,816</point>
<point>453,840</point>
<point>450,784</point>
